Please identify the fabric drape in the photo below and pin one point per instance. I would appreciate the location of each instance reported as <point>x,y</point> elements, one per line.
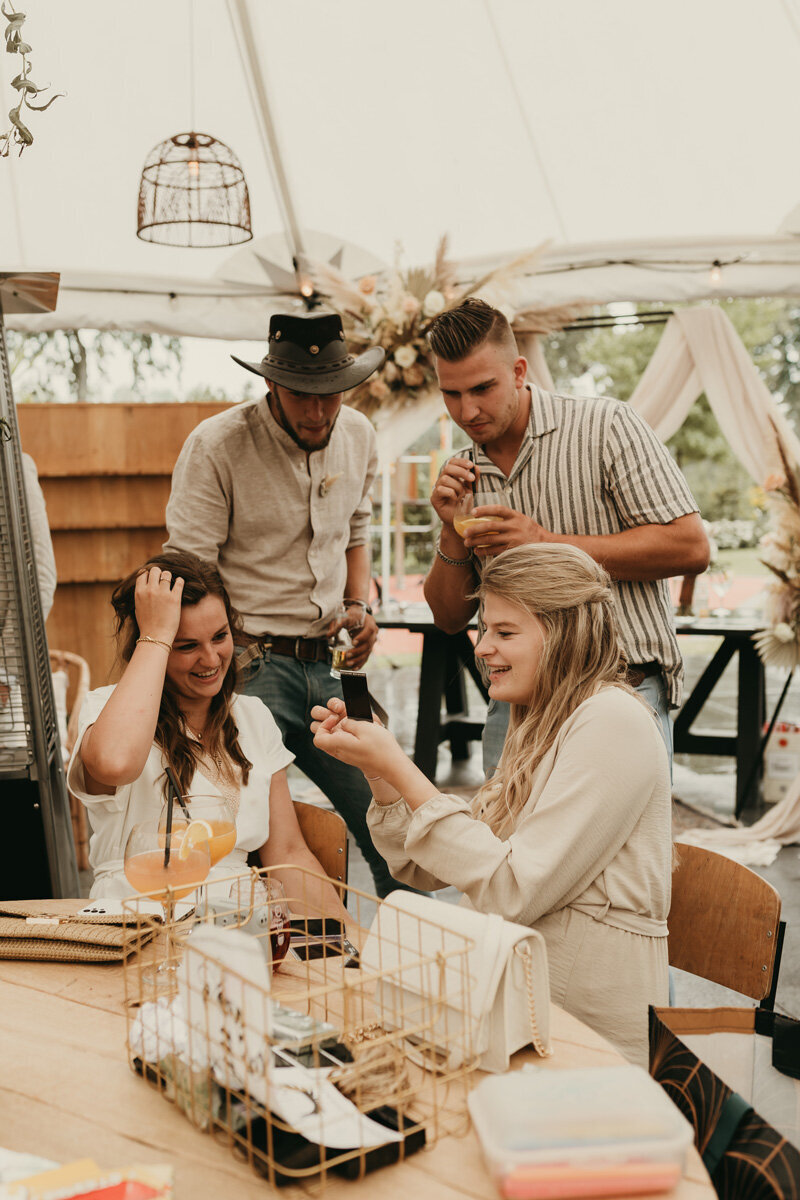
<point>700,351</point>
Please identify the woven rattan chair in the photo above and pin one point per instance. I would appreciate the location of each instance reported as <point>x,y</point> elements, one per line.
<point>77,670</point>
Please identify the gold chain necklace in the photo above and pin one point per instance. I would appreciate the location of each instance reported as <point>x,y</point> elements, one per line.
<point>221,772</point>
<point>205,753</point>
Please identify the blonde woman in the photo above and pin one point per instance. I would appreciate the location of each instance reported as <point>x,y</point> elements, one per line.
<point>573,834</point>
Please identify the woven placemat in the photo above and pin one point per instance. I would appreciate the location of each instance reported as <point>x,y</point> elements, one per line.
<point>51,930</point>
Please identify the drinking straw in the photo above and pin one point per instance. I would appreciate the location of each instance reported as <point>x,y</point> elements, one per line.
<point>175,788</point>
<point>170,805</point>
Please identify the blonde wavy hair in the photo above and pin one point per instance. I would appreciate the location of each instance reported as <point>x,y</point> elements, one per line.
<point>569,594</point>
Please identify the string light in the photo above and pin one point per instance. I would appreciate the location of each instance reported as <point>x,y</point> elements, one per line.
<point>715,274</point>
<point>194,167</point>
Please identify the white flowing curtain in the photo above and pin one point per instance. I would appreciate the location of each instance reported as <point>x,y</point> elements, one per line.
<point>700,351</point>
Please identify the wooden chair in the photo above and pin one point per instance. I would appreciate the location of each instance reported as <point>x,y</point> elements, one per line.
<point>724,923</point>
<point>77,670</point>
<point>326,837</point>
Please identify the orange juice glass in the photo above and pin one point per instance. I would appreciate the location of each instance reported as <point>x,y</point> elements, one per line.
<point>166,872</point>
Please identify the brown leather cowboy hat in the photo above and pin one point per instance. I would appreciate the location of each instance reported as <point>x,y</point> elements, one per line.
<point>307,353</point>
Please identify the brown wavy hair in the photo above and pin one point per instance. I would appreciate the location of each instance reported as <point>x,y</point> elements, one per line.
<point>200,579</point>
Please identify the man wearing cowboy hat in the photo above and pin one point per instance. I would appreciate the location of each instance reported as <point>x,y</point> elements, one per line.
<point>276,493</point>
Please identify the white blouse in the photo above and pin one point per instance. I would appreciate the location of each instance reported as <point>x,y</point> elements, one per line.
<point>112,816</point>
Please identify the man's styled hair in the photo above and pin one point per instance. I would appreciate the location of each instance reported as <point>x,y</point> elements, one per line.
<point>458,331</point>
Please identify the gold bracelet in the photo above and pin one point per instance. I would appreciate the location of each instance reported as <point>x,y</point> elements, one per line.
<point>144,638</point>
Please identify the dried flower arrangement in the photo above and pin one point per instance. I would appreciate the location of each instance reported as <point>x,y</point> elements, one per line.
<point>394,311</point>
<point>779,644</point>
<point>19,134</point>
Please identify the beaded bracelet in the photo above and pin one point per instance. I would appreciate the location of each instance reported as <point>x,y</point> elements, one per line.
<point>453,562</point>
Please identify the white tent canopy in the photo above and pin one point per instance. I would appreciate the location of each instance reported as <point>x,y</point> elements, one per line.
<point>640,141</point>
<point>219,308</point>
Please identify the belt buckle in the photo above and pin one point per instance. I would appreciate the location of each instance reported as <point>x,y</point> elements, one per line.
<point>248,654</point>
<point>298,644</point>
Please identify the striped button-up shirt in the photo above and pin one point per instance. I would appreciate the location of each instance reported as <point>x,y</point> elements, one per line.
<point>592,467</point>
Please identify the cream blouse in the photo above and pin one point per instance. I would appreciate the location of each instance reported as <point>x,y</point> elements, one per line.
<point>594,836</point>
<point>112,816</point>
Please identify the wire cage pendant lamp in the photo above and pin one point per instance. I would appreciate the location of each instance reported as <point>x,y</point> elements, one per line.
<point>193,193</point>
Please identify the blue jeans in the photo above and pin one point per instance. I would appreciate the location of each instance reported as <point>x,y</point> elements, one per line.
<point>653,689</point>
<point>290,688</point>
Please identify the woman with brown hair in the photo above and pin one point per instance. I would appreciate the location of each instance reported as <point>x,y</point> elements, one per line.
<point>175,705</point>
<point>572,835</point>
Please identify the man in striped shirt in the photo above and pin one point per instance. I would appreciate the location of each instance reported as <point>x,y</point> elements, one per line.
<point>589,472</point>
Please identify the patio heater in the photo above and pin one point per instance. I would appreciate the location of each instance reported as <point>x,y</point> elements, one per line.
<point>37,853</point>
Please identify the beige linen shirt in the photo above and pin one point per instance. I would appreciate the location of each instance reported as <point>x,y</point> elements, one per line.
<point>595,835</point>
<point>275,519</point>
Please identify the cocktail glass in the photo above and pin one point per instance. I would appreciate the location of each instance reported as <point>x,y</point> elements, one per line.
<point>720,582</point>
<point>217,813</point>
<point>464,521</point>
<point>167,877</point>
<point>254,891</point>
<point>347,620</point>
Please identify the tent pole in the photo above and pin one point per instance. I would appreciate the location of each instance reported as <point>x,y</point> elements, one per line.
<point>240,18</point>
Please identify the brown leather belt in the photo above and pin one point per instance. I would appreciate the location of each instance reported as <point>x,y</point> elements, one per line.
<point>303,649</point>
<point>638,672</point>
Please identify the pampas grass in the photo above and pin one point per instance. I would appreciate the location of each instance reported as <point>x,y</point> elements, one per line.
<point>395,310</point>
<point>779,645</point>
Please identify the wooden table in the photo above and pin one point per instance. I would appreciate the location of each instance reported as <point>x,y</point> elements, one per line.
<point>745,744</point>
<point>66,1092</point>
<point>445,658</point>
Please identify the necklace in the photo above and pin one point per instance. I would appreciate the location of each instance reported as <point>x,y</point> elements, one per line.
<point>217,759</point>
<point>218,769</point>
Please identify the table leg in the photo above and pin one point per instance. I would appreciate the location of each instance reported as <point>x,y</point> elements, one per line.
<point>432,679</point>
<point>455,698</point>
<point>686,742</point>
<point>684,739</point>
<point>752,710</point>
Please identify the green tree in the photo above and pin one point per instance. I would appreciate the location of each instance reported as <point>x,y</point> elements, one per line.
<point>40,361</point>
<point>617,357</point>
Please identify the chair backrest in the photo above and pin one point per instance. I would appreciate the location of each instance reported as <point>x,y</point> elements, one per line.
<point>723,923</point>
<point>77,671</point>
<point>325,834</point>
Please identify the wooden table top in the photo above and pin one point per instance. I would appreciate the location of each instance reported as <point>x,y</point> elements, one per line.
<point>67,1092</point>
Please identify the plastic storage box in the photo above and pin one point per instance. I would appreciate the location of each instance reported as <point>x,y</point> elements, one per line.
<point>603,1131</point>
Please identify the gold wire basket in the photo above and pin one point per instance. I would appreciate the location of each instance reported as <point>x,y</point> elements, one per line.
<point>302,1069</point>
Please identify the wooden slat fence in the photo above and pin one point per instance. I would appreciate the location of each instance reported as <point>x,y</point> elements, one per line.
<point>105,471</point>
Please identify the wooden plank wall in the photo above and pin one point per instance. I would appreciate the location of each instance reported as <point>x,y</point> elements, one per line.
<point>105,471</point>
